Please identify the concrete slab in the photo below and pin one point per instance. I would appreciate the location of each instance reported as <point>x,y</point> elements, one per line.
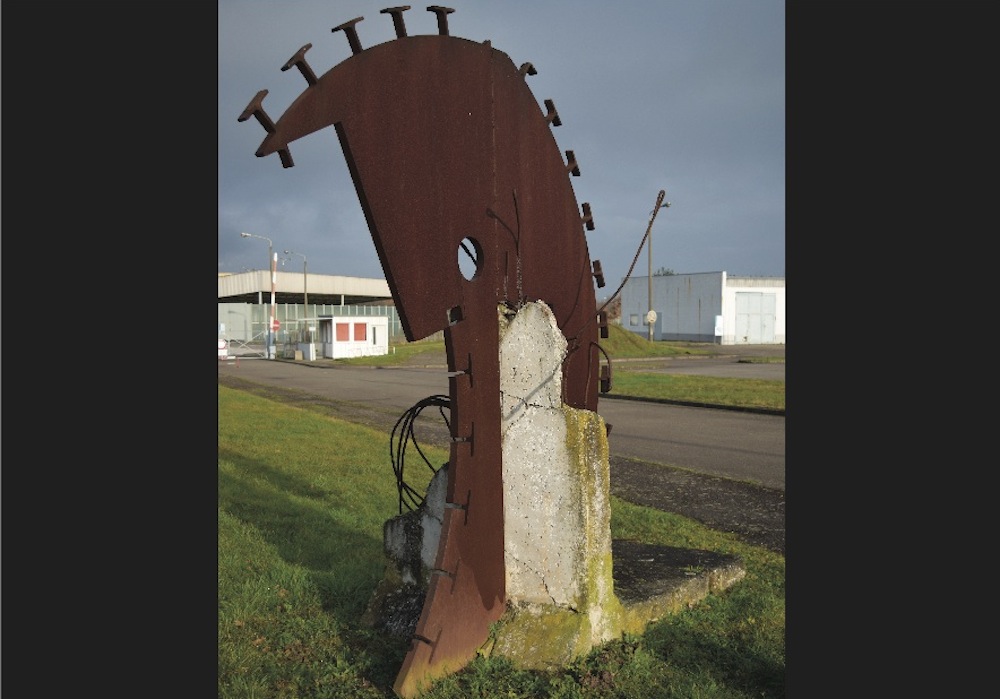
<point>651,581</point>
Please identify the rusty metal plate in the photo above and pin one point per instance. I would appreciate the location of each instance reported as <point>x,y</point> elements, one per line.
<point>451,155</point>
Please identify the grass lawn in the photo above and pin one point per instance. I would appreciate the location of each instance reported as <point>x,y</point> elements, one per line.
<point>302,499</point>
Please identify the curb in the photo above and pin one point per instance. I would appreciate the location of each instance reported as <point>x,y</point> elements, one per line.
<point>691,404</point>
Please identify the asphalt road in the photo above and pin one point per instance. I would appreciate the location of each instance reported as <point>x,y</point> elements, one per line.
<point>725,443</point>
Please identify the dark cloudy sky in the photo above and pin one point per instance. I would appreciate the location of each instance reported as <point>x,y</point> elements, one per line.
<point>682,95</point>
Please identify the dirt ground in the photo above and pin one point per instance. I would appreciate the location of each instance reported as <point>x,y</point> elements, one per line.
<point>753,513</point>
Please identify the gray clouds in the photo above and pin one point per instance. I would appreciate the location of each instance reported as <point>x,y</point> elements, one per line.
<point>682,95</point>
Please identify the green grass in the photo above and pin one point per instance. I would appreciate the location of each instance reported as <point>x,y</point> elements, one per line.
<point>421,352</point>
<point>620,344</point>
<point>629,378</point>
<point>302,501</point>
<point>743,393</point>
<point>625,344</point>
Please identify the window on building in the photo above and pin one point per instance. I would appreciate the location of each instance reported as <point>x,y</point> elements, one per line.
<point>633,319</point>
<point>343,332</point>
<point>360,332</point>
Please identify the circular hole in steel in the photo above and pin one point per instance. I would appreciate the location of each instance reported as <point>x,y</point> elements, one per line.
<point>469,258</point>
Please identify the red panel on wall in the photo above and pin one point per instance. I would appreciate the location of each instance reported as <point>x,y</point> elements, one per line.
<point>343,332</point>
<point>360,332</point>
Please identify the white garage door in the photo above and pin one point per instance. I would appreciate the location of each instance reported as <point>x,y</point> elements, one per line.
<point>754,318</point>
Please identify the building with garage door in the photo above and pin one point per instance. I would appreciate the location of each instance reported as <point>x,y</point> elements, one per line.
<point>706,307</point>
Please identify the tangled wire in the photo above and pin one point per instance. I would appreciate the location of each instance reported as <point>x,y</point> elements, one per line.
<point>402,435</point>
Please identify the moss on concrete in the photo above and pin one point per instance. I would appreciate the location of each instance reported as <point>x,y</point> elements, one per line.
<point>541,636</point>
<point>538,635</point>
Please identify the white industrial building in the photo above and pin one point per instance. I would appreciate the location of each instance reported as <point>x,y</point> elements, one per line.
<point>318,315</point>
<point>700,307</point>
<point>255,286</point>
<point>706,307</point>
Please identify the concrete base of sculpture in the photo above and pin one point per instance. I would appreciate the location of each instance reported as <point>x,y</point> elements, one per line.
<point>569,587</point>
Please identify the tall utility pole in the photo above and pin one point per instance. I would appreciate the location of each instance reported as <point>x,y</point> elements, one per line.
<point>305,292</point>
<point>305,277</point>
<point>270,328</point>
<point>272,264</point>
<point>651,315</point>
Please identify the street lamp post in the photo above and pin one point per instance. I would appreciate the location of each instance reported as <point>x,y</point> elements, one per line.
<point>651,315</point>
<point>305,278</point>
<point>305,291</point>
<point>272,263</point>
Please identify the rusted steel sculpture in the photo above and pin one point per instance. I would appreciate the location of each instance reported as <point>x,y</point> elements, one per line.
<point>451,155</point>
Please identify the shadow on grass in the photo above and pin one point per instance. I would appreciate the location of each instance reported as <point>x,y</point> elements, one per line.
<point>729,661</point>
<point>344,563</point>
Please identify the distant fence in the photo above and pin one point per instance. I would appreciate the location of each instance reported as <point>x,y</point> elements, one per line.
<point>246,323</point>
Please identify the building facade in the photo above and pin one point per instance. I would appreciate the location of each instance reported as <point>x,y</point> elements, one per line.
<point>343,337</point>
<point>706,307</point>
